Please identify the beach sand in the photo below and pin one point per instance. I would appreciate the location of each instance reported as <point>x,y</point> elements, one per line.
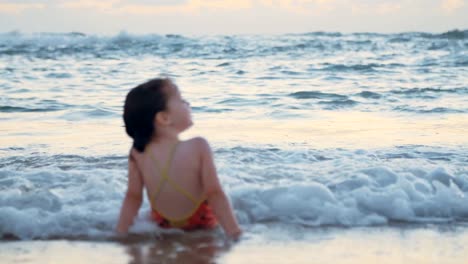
<point>265,244</point>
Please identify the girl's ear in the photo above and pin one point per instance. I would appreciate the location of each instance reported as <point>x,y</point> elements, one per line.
<point>162,118</point>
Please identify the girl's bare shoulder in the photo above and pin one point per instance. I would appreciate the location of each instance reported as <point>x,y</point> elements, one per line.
<point>197,144</point>
<point>134,154</point>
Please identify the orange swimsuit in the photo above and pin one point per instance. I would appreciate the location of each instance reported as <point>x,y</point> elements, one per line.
<point>200,217</point>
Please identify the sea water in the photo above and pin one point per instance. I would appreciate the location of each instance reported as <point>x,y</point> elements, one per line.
<point>312,130</point>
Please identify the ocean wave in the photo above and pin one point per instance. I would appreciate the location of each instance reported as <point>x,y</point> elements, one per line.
<point>224,64</point>
<point>238,101</point>
<point>336,104</point>
<point>322,33</point>
<point>20,109</point>
<point>453,34</point>
<point>438,46</point>
<point>373,196</point>
<point>462,61</point>
<point>13,109</point>
<point>317,95</point>
<point>55,45</point>
<point>85,114</point>
<point>424,91</point>
<point>425,110</point>
<point>296,48</point>
<point>400,39</point>
<point>371,67</point>
<point>369,95</point>
<point>72,196</point>
<point>59,75</point>
<point>61,162</point>
<point>205,109</point>
<point>86,204</point>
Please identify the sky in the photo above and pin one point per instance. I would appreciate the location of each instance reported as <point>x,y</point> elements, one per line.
<point>205,17</point>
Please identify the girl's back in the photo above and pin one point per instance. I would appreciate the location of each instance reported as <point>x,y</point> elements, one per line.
<point>180,162</point>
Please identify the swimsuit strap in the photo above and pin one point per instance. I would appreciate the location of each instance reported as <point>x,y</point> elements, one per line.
<point>165,177</point>
<point>164,171</point>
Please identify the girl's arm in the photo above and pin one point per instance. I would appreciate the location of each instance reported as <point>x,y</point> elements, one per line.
<point>215,194</point>
<point>133,197</point>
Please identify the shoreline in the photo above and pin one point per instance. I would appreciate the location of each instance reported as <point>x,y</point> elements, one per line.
<point>261,244</point>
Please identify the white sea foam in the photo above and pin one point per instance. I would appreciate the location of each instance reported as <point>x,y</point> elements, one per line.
<point>383,197</point>
<point>39,205</point>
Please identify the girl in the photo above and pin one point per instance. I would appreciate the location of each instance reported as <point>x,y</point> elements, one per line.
<point>179,176</point>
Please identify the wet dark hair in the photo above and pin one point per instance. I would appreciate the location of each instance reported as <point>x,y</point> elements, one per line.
<point>141,106</point>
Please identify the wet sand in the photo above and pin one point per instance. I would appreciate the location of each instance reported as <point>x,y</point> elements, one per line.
<point>263,244</point>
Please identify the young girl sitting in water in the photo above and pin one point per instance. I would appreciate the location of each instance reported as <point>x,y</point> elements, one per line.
<point>179,176</point>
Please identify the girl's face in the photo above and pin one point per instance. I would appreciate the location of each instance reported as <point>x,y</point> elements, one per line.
<point>178,109</point>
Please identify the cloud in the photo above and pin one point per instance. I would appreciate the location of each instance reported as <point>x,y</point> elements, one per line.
<point>102,5</point>
<point>16,8</point>
<point>156,7</point>
<point>301,6</point>
<point>198,6</point>
<point>148,7</point>
<point>452,5</point>
<point>382,8</point>
<point>322,7</point>
<point>191,6</point>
